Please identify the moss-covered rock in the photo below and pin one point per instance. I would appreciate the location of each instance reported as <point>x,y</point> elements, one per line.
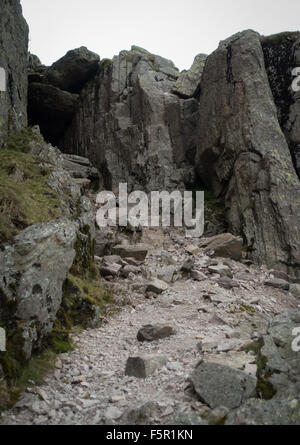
<point>84,301</point>
<point>25,196</point>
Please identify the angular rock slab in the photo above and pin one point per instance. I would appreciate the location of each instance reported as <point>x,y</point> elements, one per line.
<point>137,252</point>
<point>218,385</point>
<point>157,286</point>
<point>225,245</point>
<point>155,332</point>
<point>277,283</point>
<point>144,366</point>
<point>73,70</point>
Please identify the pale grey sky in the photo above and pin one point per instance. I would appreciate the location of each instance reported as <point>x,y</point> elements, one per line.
<point>175,29</point>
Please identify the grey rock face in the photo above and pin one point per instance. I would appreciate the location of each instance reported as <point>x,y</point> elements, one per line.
<point>262,412</point>
<point>242,153</point>
<point>32,272</point>
<point>282,55</point>
<point>13,58</point>
<point>218,385</point>
<point>80,167</point>
<point>278,362</point>
<point>132,127</point>
<point>53,91</point>
<point>188,83</point>
<point>278,377</point>
<point>36,262</point>
<point>72,71</point>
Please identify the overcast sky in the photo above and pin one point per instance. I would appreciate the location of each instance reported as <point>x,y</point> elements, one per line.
<point>175,29</point>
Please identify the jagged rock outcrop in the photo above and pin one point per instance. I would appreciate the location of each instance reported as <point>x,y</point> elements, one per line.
<point>242,153</point>
<point>188,83</point>
<point>13,58</point>
<point>132,127</point>
<point>32,272</point>
<point>278,377</point>
<point>72,71</point>
<point>35,263</point>
<point>282,56</point>
<point>53,91</point>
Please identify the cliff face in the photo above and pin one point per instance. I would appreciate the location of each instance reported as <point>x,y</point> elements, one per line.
<point>282,56</point>
<point>231,122</point>
<point>53,96</point>
<point>242,153</point>
<point>13,58</point>
<point>47,225</point>
<point>132,126</point>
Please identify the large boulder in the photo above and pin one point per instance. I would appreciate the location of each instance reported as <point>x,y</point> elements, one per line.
<point>32,271</point>
<point>72,71</point>
<point>242,153</point>
<point>132,127</point>
<point>219,385</point>
<point>13,59</point>
<point>225,245</point>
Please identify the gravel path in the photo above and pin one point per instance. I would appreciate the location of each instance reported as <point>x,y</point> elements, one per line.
<point>89,385</point>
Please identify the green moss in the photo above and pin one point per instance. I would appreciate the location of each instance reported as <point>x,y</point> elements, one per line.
<point>105,65</point>
<point>295,416</point>
<point>249,309</point>
<point>253,347</point>
<point>25,197</point>
<point>4,396</point>
<point>11,366</point>
<point>23,140</point>
<point>60,342</point>
<point>33,373</point>
<point>13,359</point>
<point>265,388</point>
<point>81,298</point>
<point>83,264</point>
<point>276,39</point>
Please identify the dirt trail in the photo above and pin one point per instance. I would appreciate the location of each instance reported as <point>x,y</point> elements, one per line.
<point>89,385</point>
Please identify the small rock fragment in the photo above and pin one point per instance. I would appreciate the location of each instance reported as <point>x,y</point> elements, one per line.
<point>144,366</point>
<point>155,332</point>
